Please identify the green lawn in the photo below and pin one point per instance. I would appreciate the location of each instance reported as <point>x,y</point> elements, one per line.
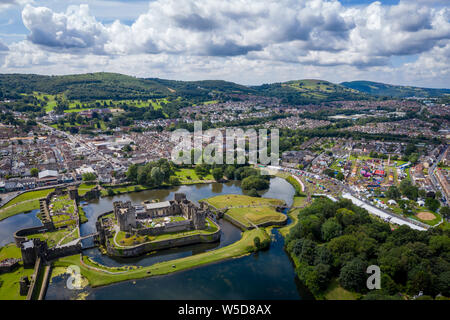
<point>23,203</point>
<point>9,288</point>
<point>20,208</point>
<point>52,238</point>
<point>249,210</point>
<point>84,188</point>
<point>28,196</point>
<point>235,200</point>
<point>336,292</point>
<point>187,176</point>
<point>99,278</point>
<point>257,216</point>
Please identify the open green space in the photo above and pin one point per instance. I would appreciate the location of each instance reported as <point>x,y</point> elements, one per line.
<point>336,292</point>
<point>249,210</point>
<point>25,202</point>
<point>84,188</point>
<point>38,194</point>
<point>52,238</point>
<point>9,288</point>
<point>236,200</point>
<point>98,276</point>
<point>188,176</point>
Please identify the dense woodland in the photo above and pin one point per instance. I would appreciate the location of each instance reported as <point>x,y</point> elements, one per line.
<point>340,240</point>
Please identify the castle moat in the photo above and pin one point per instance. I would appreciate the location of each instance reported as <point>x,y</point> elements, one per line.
<point>267,274</point>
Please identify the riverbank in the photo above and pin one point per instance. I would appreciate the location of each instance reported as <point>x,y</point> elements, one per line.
<point>24,202</point>
<point>101,276</point>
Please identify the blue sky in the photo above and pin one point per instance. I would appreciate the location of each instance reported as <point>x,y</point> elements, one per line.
<point>249,42</point>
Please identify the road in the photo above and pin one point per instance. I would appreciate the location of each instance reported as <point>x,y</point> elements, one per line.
<point>434,180</point>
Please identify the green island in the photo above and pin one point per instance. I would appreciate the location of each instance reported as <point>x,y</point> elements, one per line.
<point>249,211</point>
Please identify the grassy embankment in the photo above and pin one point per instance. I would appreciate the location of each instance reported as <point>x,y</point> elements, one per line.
<point>84,188</point>
<point>100,276</point>
<point>9,282</point>
<point>249,210</point>
<point>25,202</point>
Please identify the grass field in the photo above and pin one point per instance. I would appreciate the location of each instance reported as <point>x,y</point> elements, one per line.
<point>98,277</point>
<point>235,200</point>
<point>52,238</point>
<point>9,288</point>
<point>257,216</point>
<point>336,292</point>
<point>23,203</point>
<point>249,210</point>
<point>28,196</point>
<point>84,188</point>
<point>187,176</point>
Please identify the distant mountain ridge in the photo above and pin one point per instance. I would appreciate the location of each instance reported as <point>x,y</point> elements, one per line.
<point>388,90</point>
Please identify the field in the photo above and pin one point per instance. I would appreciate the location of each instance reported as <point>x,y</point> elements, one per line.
<point>99,276</point>
<point>52,238</point>
<point>9,288</point>
<point>234,200</point>
<point>336,292</point>
<point>249,210</point>
<point>188,176</point>
<point>84,188</point>
<point>23,203</point>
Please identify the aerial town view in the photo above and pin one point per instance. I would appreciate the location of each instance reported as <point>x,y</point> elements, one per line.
<point>193,150</point>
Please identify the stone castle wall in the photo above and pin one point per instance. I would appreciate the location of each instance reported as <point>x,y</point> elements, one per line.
<point>162,244</point>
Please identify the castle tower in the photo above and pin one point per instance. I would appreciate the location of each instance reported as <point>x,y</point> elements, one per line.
<point>125,214</point>
<point>199,219</point>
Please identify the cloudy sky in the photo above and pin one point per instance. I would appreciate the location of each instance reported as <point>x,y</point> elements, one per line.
<point>245,41</point>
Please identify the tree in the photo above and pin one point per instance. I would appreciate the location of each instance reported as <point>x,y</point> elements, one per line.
<point>432,204</point>
<point>340,176</point>
<point>257,242</point>
<point>229,172</point>
<point>89,176</point>
<point>217,173</point>
<point>445,212</point>
<point>34,172</point>
<point>393,193</point>
<point>331,229</point>
<point>157,176</point>
<point>174,181</point>
<point>308,253</point>
<point>132,173</point>
<point>353,275</point>
<point>255,182</point>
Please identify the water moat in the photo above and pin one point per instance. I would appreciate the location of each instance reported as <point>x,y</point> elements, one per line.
<point>267,274</point>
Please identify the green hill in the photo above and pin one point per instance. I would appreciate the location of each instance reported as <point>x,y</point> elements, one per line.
<point>98,86</point>
<point>387,90</point>
<point>309,91</point>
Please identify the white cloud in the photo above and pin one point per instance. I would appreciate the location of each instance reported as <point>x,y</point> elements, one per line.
<point>218,38</point>
<point>8,4</point>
